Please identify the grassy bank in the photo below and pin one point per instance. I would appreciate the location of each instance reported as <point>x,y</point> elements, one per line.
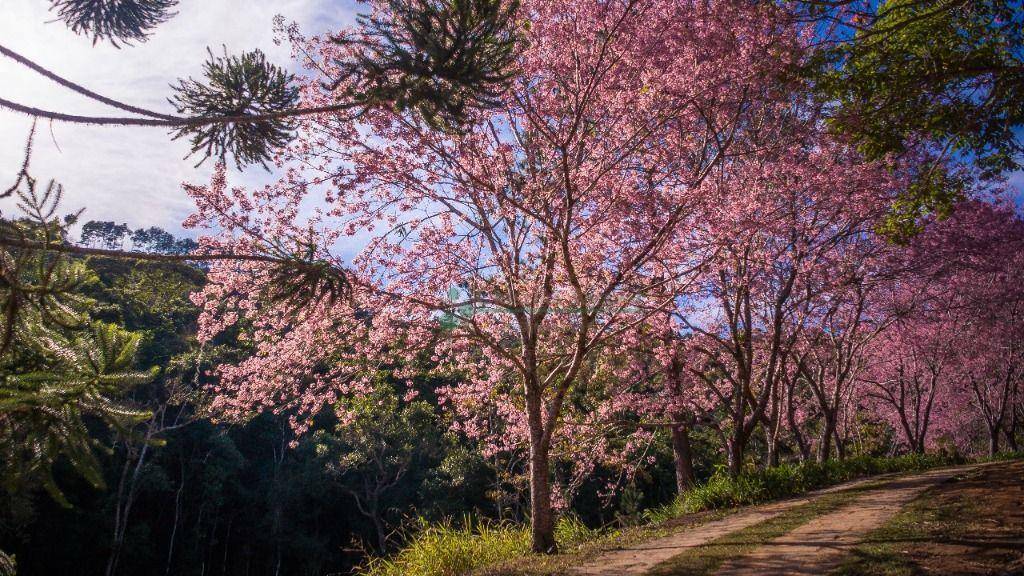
<point>473,547</point>
<point>789,480</point>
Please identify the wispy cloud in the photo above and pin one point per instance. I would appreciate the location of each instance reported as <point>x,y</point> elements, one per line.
<point>131,175</point>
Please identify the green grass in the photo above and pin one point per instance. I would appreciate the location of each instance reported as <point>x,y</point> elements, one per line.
<point>447,550</point>
<point>788,480</point>
<point>706,559</point>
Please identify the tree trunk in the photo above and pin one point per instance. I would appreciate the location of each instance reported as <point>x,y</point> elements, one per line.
<point>840,445</point>
<point>174,524</point>
<point>919,445</point>
<point>993,440</point>
<point>542,518</point>
<point>1011,430</point>
<point>735,455</point>
<point>825,441</point>
<point>794,429</point>
<point>125,499</point>
<point>378,526</point>
<point>1011,440</point>
<point>682,456</point>
<point>772,457</point>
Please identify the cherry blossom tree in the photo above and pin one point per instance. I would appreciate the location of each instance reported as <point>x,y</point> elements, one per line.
<point>955,341</point>
<point>798,223</point>
<point>914,364</point>
<point>845,317</point>
<point>511,251</point>
<point>985,271</point>
<point>655,389</point>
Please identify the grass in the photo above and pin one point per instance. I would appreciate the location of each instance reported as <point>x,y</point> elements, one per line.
<point>448,550</point>
<point>789,480</point>
<point>706,559</point>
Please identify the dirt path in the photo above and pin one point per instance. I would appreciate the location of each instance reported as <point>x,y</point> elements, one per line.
<point>818,546</point>
<point>639,558</point>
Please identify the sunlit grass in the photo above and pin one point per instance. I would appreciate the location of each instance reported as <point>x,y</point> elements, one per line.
<point>448,550</point>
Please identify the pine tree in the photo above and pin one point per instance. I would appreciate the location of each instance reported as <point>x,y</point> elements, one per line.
<point>58,368</point>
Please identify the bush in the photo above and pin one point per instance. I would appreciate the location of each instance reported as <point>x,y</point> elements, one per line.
<point>447,550</point>
<point>723,491</point>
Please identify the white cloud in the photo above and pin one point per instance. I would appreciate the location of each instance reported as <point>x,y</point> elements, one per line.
<point>131,175</point>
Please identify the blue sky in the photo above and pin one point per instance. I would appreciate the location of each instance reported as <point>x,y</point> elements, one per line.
<point>134,175</point>
<point>131,175</point>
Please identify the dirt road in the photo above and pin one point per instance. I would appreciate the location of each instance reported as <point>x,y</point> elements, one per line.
<point>818,546</point>
<point>810,549</point>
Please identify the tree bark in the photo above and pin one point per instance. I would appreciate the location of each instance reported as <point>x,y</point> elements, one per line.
<point>682,456</point>
<point>840,444</point>
<point>378,526</point>
<point>794,429</point>
<point>993,440</point>
<point>542,519</point>
<point>827,434</point>
<point>772,458</point>
<point>174,524</point>
<point>1011,438</point>
<point>735,455</point>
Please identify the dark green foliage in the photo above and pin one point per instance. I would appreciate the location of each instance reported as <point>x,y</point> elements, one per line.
<point>58,367</point>
<point>954,74</point>
<point>944,77</point>
<point>152,239</point>
<point>299,283</point>
<point>43,409</point>
<point>122,21</point>
<point>439,58</point>
<point>37,290</point>
<point>235,87</point>
<point>932,194</point>
<point>109,235</point>
<point>380,442</point>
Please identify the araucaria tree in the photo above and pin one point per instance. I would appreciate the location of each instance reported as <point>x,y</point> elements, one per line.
<point>511,249</point>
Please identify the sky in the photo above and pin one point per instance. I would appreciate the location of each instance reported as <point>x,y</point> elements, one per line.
<point>131,175</point>
<point>134,175</point>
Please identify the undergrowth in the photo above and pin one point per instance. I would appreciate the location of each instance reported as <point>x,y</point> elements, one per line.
<point>448,550</point>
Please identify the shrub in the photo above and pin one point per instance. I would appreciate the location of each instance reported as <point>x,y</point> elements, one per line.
<point>448,550</point>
